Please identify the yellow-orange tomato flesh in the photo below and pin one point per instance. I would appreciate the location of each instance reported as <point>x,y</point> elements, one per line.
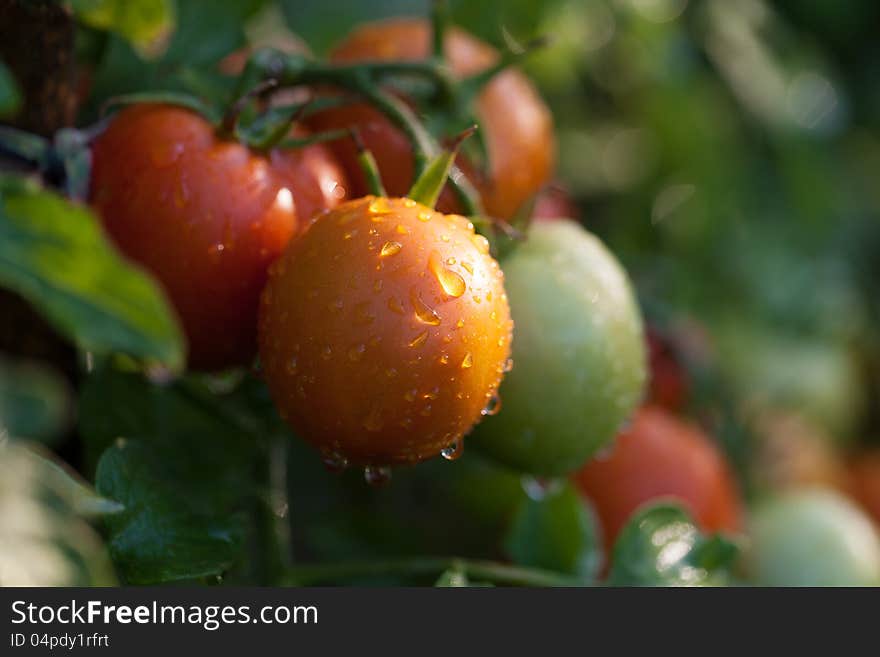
<point>385,331</point>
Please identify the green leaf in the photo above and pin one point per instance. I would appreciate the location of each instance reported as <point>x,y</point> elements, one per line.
<point>457,578</point>
<point>186,473</point>
<point>34,401</point>
<point>556,532</point>
<point>661,546</point>
<point>53,253</point>
<point>44,540</point>
<point>10,96</point>
<point>170,529</point>
<point>147,24</point>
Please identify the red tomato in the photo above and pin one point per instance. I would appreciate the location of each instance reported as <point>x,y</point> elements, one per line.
<point>864,482</point>
<point>207,217</point>
<point>517,125</point>
<point>661,456</point>
<point>669,384</point>
<point>554,202</point>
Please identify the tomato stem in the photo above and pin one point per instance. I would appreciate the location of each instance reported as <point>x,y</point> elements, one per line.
<point>427,187</point>
<point>498,573</point>
<point>229,123</point>
<point>368,165</point>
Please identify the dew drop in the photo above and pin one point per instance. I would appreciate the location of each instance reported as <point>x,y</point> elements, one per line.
<point>378,207</point>
<point>409,203</point>
<point>433,394</point>
<point>508,365</point>
<point>390,249</point>
<point>424,313</point>
<point>468,361</point>
<point>451,261</point>
<point>395,306</point>
<point>377,286</point>
<point>362,314</point>
<point>481,243</point>
<point>451,282</point>
<point>444,359</point>
<point>444,238</point>
<point>459,324</point>
<point>357,352</point>
<point>419,340</point>
<point>347,235</point>
<point>402,230</point>
<point>327,352</point>
<point>468,267</point>
<point>410,395</point>
<point>165,154</point>
<point>425,215</point>
<point>373,422</point>
<point>335,463</point>
<point>493,406</point>
<point>377,475</point>
<point>452,451</point>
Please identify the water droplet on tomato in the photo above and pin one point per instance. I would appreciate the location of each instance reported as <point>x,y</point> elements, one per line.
<point>390,249</point>
<point>335,463</point>
<point>493,406</point>
<point>357,352</point>
<point>451,282</point>
<point>424,313</point>
<point>419,340</point>
<point>378,207</point>
<point>377,475</point>
<point>373,421</point>
<point>468,361</point>
<point>453,451</point>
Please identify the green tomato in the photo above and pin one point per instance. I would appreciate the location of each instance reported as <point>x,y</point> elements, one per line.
<point>813,537</point>
<point>578,353</point>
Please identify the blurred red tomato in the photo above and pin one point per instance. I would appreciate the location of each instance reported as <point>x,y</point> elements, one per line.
<point>864,482</point>
<point>660,456</point>
<point>669,382</point>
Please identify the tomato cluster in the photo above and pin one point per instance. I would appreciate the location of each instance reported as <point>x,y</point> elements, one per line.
<point>383,326</point>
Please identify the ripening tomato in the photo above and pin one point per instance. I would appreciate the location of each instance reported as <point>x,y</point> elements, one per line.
<point>206,216</point>
<point>812,537</point>
<point>579,355</point>
<point>660,456</point>
<point>554,202</point>
<point>668,379</point>
<point>384,332</point>
<point>516,124</point>
<point>864,482</point>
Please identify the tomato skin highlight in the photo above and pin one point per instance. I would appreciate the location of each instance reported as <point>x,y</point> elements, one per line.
<point>661,456</point>
<point>384,331</point>
<point>516,124</point>
<point>579,355</point>
<point>206,217</point>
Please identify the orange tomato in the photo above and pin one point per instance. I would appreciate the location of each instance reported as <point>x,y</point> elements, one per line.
<point>385,332</point>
